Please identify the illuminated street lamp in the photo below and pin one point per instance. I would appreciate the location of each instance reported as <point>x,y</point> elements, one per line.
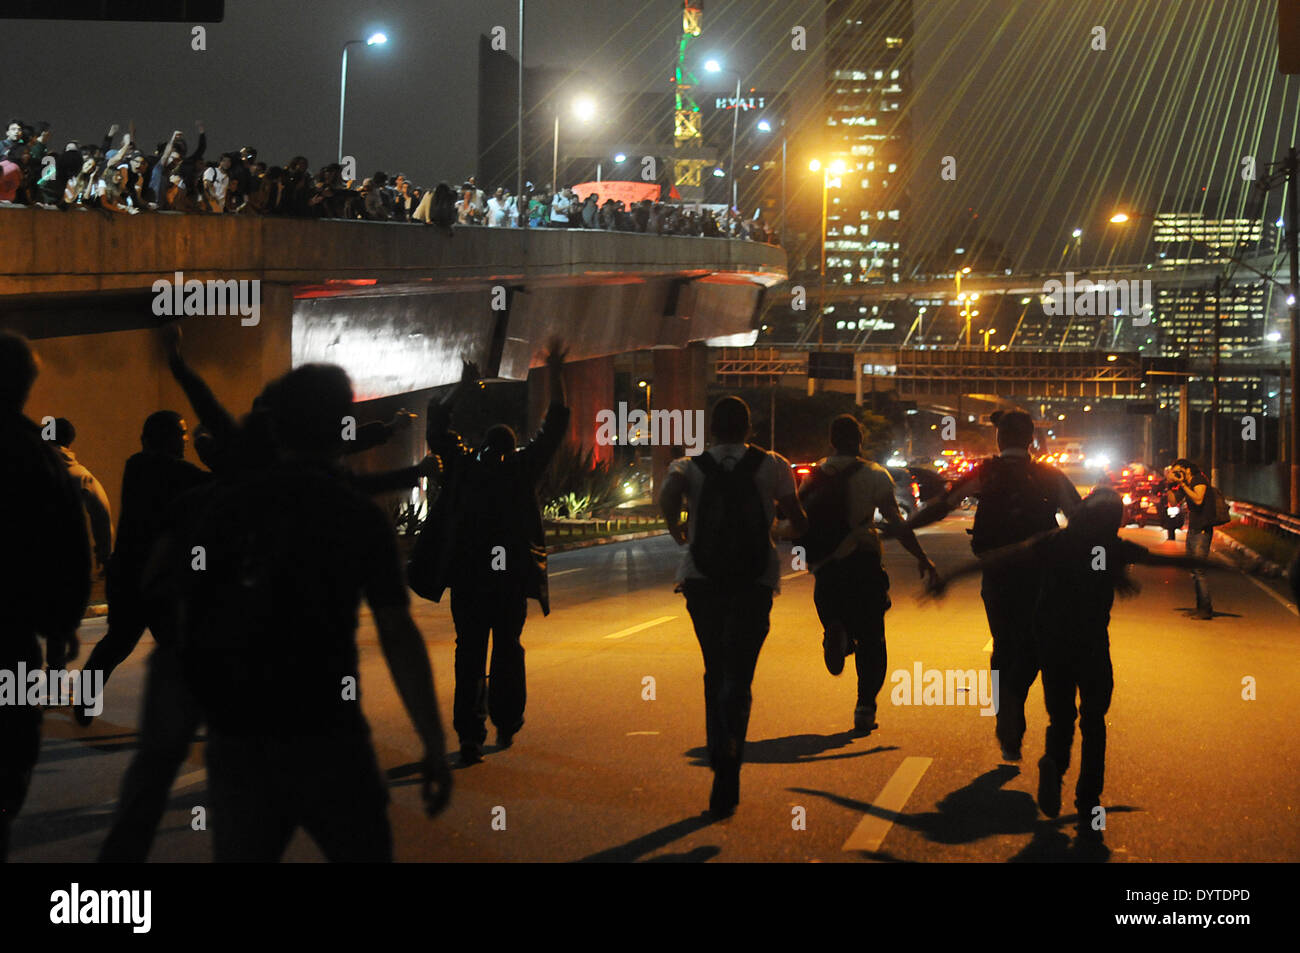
<point>584,110</point>
<point>837,167</point>
<point>375,39</point>
<point>713,66</point>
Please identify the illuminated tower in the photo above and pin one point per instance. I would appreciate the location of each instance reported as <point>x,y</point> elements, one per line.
<point>688,139</point>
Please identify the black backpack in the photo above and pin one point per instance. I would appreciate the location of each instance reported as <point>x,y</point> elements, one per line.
<point>732,541</point>
<point>827,505</point>
<point>1016,501</point>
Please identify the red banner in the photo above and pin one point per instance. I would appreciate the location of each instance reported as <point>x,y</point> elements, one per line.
<point>628,193</point>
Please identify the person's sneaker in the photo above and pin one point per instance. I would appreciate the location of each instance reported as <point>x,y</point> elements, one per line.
<point>1010,750</point>
<point>864,720</point>
<point>1084,831</point>
<point>1203,614</point>
<point>81,716</point>
<point>471,754</point>
<point>834,645</point>
<point>1049,786</point>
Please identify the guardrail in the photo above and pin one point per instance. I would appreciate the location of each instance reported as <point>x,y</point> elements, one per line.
<point>1256,515</point>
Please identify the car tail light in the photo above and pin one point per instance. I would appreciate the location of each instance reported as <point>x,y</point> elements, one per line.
<point>1127,499</point>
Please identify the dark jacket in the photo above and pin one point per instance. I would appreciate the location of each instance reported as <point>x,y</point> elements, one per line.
<point>460,512</point>
<point>44,547</point>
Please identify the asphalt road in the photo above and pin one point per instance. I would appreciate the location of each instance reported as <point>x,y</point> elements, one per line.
<point>1194,771</point>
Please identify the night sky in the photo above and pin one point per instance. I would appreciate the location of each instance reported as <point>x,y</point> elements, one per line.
<point>1048,134</point>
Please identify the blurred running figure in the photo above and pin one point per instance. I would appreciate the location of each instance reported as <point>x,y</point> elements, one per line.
<point>729,574</point>
<point>153,480</point>
<point>289,552</point>
<point>1082,567</point>
<point>1018,498</point>
<point>851,591</point>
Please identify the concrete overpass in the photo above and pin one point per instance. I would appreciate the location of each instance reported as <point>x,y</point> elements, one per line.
<point>398,305</point>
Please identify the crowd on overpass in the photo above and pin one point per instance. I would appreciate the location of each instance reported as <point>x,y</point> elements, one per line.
<point>121,176</point>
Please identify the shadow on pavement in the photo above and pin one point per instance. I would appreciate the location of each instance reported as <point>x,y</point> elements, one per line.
<point>794,749</point>
<point>648,843</point>
<point>984,809</point>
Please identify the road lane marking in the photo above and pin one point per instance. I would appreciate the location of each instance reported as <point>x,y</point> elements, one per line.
<point>988,646</point>
<point>637,628</point>
<point>1289,607</point>
<point>631,733</point>
<point>871,830</point>
<point>185,780</point>
<point>562,572</point>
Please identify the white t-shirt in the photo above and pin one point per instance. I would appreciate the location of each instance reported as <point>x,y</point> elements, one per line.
<point>496,212</point>
<point>217,180</point>
<point>775,480</point>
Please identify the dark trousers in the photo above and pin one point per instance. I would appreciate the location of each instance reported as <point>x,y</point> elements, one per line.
<point>1198,544</point>
<point>263,789</point>
<point>126,625</point>
<point>169,717</point>
<point>1009,603</point>
<point>855,592</point>
<point>479,614</point>
<point>730,625</point>
<point>20,733</point>
<point>1085,669</point>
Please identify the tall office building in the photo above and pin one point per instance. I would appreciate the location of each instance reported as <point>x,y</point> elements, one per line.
<point>868,90</point>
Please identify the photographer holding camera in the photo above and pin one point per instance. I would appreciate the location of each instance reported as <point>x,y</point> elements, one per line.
<point>1190,488</point>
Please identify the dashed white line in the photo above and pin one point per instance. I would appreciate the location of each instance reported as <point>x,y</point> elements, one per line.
<point>637,628</point>
<point>988,646</point>
<point>562,572</point>
<point>872,829</point>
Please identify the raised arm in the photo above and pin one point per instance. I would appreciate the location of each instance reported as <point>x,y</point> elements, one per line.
<point>212,414</point>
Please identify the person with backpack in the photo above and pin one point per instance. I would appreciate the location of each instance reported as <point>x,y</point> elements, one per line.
<point>851,589</point>
<point>729,573</point>
<point>1018,498</point>
<point>1206,509</point>
<point>1082,567</point>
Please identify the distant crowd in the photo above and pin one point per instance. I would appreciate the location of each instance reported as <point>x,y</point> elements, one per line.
<point>120,176</point>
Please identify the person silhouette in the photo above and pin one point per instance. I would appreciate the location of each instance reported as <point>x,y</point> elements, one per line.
<point>489,549</point>
<point>45,584</point>
<point>289,552</point>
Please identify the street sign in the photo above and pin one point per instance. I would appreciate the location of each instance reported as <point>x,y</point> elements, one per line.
<point>831,365</point>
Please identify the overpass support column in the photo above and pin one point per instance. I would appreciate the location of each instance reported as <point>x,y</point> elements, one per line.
<point>681,382</point>
<point>589,388</point>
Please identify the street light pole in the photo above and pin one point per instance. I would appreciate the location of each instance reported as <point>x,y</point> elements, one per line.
<point>555,151</point>
<point>1214,388</point>
<point>519,124</point>
<point>343,94</point>
<point>375,38</point>
<point>1293,256</point>
<point>735,122</point>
